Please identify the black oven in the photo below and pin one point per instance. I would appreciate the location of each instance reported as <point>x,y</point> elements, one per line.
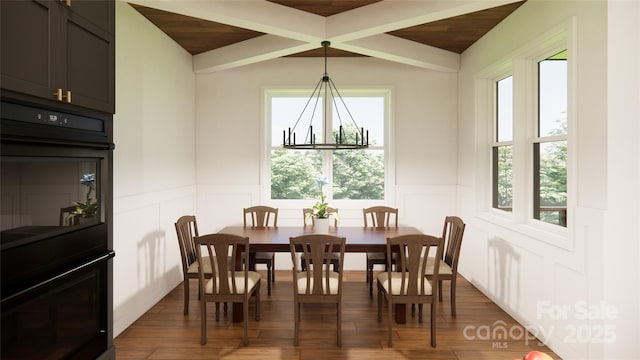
<point>55,239</point>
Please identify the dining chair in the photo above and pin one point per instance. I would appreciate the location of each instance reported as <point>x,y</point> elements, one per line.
<point>452,232</point>
<point>378,216</point>
<point>187,230</point>
<point>65,220</point>
<point>317,284</point>
<point>262,217</point>
<point>409,283</point>
<point>230,281</point>
<point>335,258</point>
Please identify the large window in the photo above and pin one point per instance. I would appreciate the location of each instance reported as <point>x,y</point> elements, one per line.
<point>350,174</point>
<point>550,144</point>
<point>529,137</point>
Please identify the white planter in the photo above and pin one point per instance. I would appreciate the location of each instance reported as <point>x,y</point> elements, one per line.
<point>321,225</point>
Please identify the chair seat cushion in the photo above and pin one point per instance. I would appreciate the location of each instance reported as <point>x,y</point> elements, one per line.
<point>396,283</point>
<point>334,279</point>
<point>252,280</point>
<point>193,268</point>
<point>444,269</point>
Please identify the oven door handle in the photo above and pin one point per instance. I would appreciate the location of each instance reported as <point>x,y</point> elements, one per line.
<point>110,254</point>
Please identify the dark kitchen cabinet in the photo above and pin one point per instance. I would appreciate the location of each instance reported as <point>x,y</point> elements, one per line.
<point>63,51</point>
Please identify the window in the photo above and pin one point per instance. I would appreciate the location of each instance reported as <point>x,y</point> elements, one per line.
<point>550,143</point>
<point>351,174</point>
<point>503,146</point>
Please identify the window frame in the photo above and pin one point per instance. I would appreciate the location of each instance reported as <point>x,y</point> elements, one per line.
<point>266,129</point>
<point>496,142</point>
<point>524,62</point>
<point>538,139</point>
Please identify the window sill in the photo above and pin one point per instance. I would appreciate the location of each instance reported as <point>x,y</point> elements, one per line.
<point>548,233</point>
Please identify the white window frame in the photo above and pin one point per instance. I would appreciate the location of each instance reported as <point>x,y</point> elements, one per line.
<point>266,133</point>
<point>523,63</point>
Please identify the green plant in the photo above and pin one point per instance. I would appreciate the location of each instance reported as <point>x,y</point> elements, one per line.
<point>321,208</point>
<point>89,208</point>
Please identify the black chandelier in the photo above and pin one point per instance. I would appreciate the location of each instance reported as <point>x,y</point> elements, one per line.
<point>347,137</point>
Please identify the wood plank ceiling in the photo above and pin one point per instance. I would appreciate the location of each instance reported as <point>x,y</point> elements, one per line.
<point>453,33</point>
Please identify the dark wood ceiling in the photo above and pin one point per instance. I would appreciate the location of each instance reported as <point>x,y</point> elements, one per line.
<point>455,34</point>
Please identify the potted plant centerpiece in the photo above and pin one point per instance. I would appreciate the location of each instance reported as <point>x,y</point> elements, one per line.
<point>321,213</point>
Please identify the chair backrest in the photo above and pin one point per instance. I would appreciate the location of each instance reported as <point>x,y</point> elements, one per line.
<point>225,253</point>
<point>261,216</point>
<point>316,250</point>
<point>306,211</point>
<point>65,220</point>
<point>380,216</point>
<point>412,269</point>
<point>187,230</point>
<point>452,233</point>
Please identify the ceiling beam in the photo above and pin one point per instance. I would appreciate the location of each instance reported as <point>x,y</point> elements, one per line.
<point>289,31</point>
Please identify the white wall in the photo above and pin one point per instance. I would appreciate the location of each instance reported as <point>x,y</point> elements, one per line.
<point>622,249</point>
<point>229,139</point>
<point>527,271</point>
<point>154,163</point>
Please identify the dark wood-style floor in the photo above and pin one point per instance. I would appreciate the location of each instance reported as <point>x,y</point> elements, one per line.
<point>165,333</point>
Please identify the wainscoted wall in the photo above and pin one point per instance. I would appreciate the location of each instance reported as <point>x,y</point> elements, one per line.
<point>147,265</point>
<point>154,163</point>
<point>547,288</point>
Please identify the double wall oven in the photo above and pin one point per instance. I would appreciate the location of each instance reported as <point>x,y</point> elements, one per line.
<point>55,240</point>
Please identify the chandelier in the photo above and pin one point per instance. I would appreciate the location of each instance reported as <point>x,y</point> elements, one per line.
<point>347,136</point>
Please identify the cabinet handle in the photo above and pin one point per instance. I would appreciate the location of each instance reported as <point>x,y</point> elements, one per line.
<point>68,3</point>
<point>68,96</point>
<point>58,94</point>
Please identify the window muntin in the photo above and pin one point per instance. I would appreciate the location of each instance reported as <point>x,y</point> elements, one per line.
<point>550,146</point>
<point>503,146</point>
<point>351,174</point>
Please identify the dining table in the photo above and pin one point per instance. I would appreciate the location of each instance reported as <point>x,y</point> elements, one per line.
<point>359,239</point>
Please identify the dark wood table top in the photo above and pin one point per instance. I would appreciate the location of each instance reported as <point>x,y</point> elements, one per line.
<point>359,238</point>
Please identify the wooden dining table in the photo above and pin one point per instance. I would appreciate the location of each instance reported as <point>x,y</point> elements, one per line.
<point>359,239</point>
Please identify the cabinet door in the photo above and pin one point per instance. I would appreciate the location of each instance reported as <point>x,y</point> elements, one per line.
<point>28,47</point>
<point>88,56</point>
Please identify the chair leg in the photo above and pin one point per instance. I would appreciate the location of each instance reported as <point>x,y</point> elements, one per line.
<point>453,296</point>
<point>296,321</point>
<point>379,304</point>
<point>245,339</point>
<point>339,324</point>
<point>203,322</point>
<point>186,296</point>
<point>258,302</point>
<point>433,323</point>
<point>390,322</point>
<point>440,290</point>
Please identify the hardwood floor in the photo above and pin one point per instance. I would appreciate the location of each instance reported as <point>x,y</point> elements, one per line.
<point>165,333</point>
